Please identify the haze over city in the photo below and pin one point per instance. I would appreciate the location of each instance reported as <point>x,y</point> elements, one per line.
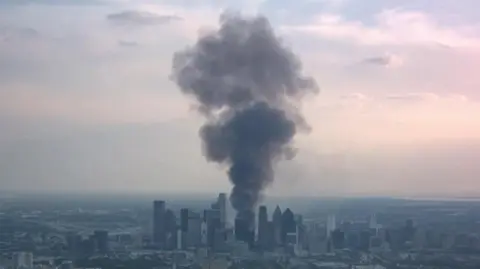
<point>87,103</point>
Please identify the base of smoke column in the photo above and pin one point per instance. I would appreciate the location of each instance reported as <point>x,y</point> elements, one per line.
<point>244,231</point>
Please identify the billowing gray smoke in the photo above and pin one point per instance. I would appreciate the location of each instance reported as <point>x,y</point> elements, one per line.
<point>246,83</point>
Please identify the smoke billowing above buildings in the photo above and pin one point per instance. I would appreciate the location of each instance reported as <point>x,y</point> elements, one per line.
<point>247,83</point>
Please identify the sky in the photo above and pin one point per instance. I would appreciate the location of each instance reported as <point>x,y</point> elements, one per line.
<point>86,103</point>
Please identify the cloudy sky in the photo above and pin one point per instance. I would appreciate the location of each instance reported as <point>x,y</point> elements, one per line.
<point>86,102</point>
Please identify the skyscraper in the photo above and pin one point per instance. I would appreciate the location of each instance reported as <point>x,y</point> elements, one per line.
<point>170,229</point>
<point>159,225</point>
<point>372,222</point>
<point>101,241</point>
<point>184,215</point>
<point>288,224</point>
<point>277,226</point>
<point>213,221</point>
<point>222,206</point>
<point>183,231</point>
<point>263,238</point>
<point>337,239</point>
<point>194,233</point>
<point>331,225</point>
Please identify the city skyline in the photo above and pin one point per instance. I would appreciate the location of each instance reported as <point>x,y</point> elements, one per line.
<point>89,106</point>
<point>348,233</point>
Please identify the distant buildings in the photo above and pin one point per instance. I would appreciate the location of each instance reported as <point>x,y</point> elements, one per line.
<point>212,219</point>
<point>170,222</point>
<point>285,232</point>
<point>159,223</point>
<point>331,225</point>
<point>194,230</point>
<point>277,226</point>
<point>222,207</point>
<point>264,227</point>
<point>101,241</point>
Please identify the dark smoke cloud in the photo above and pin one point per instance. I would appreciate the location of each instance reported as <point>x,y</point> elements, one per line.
<point>247,82</point>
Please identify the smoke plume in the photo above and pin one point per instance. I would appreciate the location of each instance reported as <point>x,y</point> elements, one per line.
<point>246,83</point>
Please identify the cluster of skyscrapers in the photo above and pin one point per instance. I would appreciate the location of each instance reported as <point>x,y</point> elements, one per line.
<point>210,228</point>
<point>193,229</point>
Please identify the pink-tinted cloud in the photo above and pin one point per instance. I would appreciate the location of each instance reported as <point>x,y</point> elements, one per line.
<point>392,27</point>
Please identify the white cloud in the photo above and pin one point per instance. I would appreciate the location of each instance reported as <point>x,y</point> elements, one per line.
<point>392,27</point>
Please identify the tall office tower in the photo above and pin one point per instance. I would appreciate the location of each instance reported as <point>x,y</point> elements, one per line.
<point>101,241</point>
<point>219,240</point>
<point>277,226</point>
<point>372,222</point>
<point>212,219</point>
<point>302,236</point>
<point>222,206</point>
<point>338,239</point>
<point>159,226</point>
<point>409,230</point>
<point>263,239</point>
<point>331,225</point>
<point>180,239</point>
<point>184,215</point>
<point>288,224</point>
<point>203,233</point>
<point>365,237</point>
<point>194,231</point>
<point>23,260</point>
<point>270,235</point>
<point>170,229</point>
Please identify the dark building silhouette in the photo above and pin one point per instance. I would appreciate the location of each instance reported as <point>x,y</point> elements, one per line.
<point>193,236</point>
<point>365,237</point>
<point>338,239</point>
<point>288,224</point>
<point>101,241</point>
<point>219,240</point>
<point>74,243</point>
<point>212,218</point>
<point>352,240</point>
<point>184,215</point>
<point>159,225</point>
<point>170,229</point>
<point>88,246</point>
<point>409,230</point>
<point>270,235</point>
<point>263,233</point>
<point>277,226</point>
